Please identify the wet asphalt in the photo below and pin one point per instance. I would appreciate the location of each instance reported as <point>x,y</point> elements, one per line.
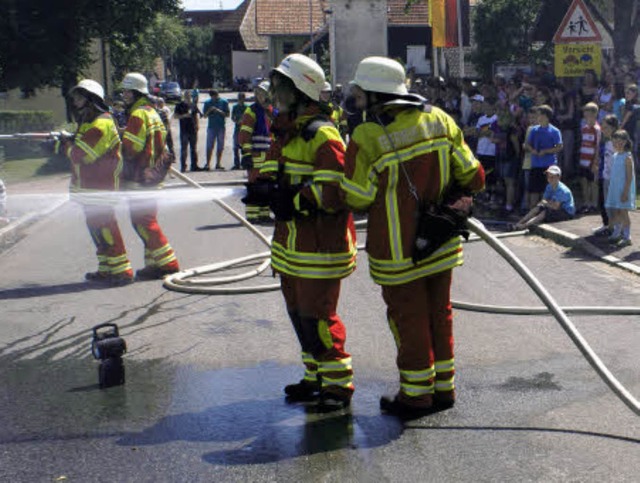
<point>203,399</point>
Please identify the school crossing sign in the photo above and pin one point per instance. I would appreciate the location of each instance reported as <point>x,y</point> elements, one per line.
<point>577,26</point>
<point>577,43</point>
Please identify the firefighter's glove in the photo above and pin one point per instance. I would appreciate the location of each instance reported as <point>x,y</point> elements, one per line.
<point>282,202</point>
<point>436,225</point>
<point>246,161</point>
<point>303,206</point>
<point>259,193</point>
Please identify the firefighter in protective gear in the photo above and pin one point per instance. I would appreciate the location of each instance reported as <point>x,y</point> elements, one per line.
<point>405,156</point>
<point>255,139</point>
<point>96,168</point>
<point>143,146</point>
<point>314,243</point>
<point>338,116</point>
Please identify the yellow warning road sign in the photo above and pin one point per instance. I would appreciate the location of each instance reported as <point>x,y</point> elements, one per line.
<point>573,60</point>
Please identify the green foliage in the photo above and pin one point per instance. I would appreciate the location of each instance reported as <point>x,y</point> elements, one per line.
<point>161,38</point>
<point>25,121</point>
<point>48,42</point>
<point>195,62</point>
<point>502,31</point>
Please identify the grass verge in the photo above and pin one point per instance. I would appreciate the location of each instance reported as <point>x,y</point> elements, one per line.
<point>14,171</point>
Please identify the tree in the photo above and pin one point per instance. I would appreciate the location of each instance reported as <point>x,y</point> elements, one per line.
<point>48,42</point>
<point>625,29</point>
<point>162,38</point>
<point>194,60</point>
<point>502,31</point>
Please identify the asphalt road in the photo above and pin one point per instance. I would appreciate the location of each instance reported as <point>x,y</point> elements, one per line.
<point>203,397</point>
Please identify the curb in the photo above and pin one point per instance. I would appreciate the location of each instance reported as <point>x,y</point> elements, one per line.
<point>10,232</point>
<point>574,241</point>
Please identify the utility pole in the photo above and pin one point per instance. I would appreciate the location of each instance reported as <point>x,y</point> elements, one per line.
<point>460,40</point>
<point>311,29</point>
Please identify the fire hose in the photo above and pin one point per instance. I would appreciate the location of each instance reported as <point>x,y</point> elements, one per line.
<point>37,136</point>
<point>184,282</point>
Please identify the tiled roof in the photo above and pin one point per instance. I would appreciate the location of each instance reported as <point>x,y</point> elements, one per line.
<point>418,14</point>
<point>252,41</point>
<point>220,20</point>
<point>289,17</point>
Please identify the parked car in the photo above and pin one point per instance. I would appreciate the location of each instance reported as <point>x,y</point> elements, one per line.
<point>170,91</point>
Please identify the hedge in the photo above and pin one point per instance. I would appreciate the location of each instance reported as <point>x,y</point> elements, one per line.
<point>24,121</point>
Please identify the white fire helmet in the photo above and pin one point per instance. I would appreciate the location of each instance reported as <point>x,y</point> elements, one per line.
<point>327,87</point>
<point>381,74</point>
<point>90,86</point>
<point>264,85</point>
<point>134,81</point>
<point>307,75</point>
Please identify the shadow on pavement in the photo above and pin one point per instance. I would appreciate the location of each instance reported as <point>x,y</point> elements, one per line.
<point>265,431</point>
<point>218,227</point>
<point>45,290</point>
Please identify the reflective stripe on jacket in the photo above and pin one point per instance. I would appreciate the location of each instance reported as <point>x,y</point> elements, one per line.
<point>319,242</point>
<point>143,140</point>
<point>254,136</point>
<point>426,147</point>
<point>96,163</point>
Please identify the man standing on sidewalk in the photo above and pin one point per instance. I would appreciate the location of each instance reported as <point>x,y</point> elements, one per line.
<point>236,116</point>
<point>216,110</point>
<point>187,114</point>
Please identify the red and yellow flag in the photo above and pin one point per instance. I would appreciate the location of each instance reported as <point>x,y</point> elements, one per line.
<point>443,16</point>
<point>437,17</point>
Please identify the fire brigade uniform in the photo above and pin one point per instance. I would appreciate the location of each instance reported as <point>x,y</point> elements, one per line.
<point>339,118</point>
<point>254,139</point>
<point>316,248</point>
<point>143,142</point>
<point>422,146</point>
<point>96,166</point>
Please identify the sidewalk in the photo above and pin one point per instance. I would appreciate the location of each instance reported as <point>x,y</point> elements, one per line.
<point>578,234</point>
<point>47,194</point>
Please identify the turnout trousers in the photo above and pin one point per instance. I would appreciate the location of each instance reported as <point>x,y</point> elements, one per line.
<point>311,304</point>
<point>105,233</point>
<point>256,212</point>
<point>420,318</point>
<point>157,250</point>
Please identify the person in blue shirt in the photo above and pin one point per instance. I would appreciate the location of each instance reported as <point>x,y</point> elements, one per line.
<point>544,143</point>
<point>557,202</point>
<point>217,111</point>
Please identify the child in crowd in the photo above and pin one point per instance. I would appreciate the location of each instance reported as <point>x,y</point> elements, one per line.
<point>556,205</point>
<point>486,149</point>
<point>609,126</point>
<point>507,152</point>
<point>621,197</point>
<point>470,129</point>
<point>532,120</point>
<point>544,142</point>
<point>589,157</point>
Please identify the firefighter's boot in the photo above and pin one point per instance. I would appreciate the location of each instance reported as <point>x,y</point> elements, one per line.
<point>154,273</point>
<point>303,391</point>
<point>98,276</point>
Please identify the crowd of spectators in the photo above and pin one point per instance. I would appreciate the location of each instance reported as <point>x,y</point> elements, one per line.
<point>497,117</point>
